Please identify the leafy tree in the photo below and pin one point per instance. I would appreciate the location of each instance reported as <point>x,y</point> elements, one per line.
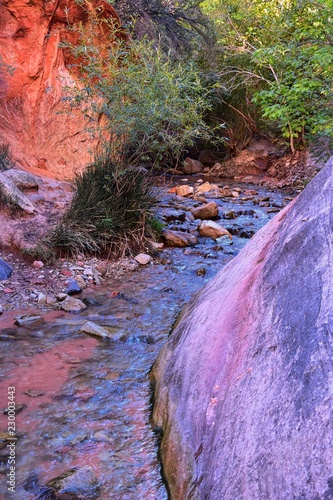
<point>280,53</point>
<point>149,107</point>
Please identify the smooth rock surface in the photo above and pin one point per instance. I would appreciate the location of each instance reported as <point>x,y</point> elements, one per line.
<point>14,195</point>
<point>244,384</point>
<point>21,179</point>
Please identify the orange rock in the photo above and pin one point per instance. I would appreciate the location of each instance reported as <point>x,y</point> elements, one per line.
<point>34,70</point>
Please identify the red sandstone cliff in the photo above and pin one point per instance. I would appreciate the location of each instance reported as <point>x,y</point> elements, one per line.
<point>244,383</point>
<point>33,72</point>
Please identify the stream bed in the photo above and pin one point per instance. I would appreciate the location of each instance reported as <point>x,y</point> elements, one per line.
<point>84,402</point>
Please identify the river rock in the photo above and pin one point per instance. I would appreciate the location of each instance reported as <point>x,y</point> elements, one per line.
<point>96,330</point>
<point>207,211</point>
<point>179,238</point>
<point>205,188</point>
<point>143,259</point>
<point>192,166</point>
<point>73,288</point>
<point>244,383</point>
<point>5,270</point>
<point>213,230</point>
<point>14,195</point>
<point>184,190</point>
<point>80,483</point>
<point>70,304</point>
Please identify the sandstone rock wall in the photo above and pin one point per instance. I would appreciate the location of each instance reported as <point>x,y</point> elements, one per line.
<point>33,72</point>
<point>244,384</point>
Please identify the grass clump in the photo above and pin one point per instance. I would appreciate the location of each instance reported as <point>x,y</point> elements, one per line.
<point>109,213</point>
<point>6,161</point>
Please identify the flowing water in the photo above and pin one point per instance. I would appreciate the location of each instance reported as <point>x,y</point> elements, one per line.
<point>87,401</point>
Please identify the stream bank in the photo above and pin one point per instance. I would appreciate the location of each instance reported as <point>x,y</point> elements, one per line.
<point>85,402</point>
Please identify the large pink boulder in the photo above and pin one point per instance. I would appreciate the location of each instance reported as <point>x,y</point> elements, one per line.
<point>244,384</point>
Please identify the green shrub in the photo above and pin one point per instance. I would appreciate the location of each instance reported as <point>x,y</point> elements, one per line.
<point>109,211</point>
<point>6,161</point>
<point>145,107</point>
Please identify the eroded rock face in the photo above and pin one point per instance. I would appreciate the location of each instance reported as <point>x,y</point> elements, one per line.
<point>34,69</point>
<point>243,384</point>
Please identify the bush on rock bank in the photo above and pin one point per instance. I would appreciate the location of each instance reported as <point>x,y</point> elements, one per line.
<point>110,212</point>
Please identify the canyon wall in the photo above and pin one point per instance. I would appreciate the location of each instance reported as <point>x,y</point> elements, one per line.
<point>34,69</point>
<point>243,387</point>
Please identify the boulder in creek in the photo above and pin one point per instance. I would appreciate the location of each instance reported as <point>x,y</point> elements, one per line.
<point>207,211</point>
<point>243,385</point>
<point>178,238</point>
<point>192,166</point>
<point>5,270</point>
<point>213,230</point>
<point>14,196</point>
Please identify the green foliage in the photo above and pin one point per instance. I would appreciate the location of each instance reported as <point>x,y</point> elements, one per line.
<point>6,161</point>
<point>148,108</point>
<point>281,54</point>
<point>108,213</point>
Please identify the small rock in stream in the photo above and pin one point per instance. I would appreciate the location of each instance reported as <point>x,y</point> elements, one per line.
<point>96,330</point>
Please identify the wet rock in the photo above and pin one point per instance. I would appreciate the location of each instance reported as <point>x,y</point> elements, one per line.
<point>70,304</point>
<point>73,288</point>
<point>21,179</point>
<point>184,190</point>
<point>207,211</point>
<point>245,233</point>
<point>178,239</point>
<point>76,483</point>
<point>205,188</point>
<point>143,259</point>
<point>5,270</point>
<point>171,215</point>
<point>191,166</point>
<point>230,215</point>
<point>213,230</point>
<point>96,330</point>
<point>27,319</point>
<point>15,196</point>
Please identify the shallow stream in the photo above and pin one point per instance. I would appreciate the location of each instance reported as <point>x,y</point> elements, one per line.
<point>87,401</point>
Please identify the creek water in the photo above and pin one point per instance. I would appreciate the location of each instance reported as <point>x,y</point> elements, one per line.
<point>87,401</point>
